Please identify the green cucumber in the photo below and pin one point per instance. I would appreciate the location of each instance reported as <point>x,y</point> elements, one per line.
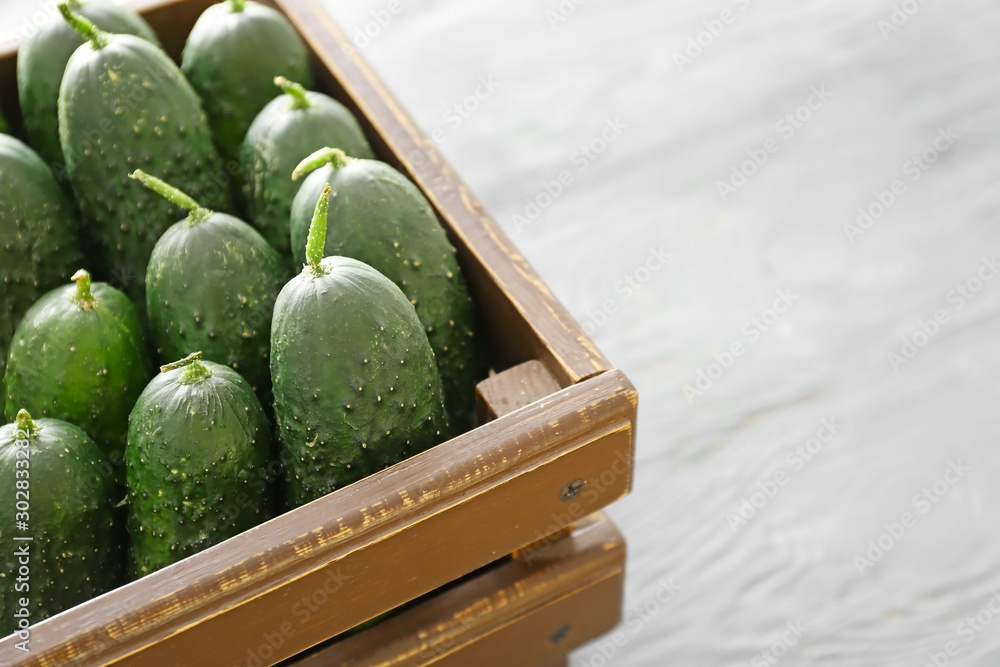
<point>231,57</point>
<point>41,61</point>
<point>288,129</point>
<point>210,286</point>
<point>59,477</point>
<point>123,104</point>
<point>78,355</point>
<point>355,385</point>
<point>379,217</point>
<point>39,235</point>
<point>196,462</point>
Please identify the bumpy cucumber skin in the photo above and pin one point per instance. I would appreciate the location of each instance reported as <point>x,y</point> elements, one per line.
<point>42,59</point>
<point>231,58</point>
<point>85,366</point>
<point>379,217</point>
<point>125,106</point>
<point>39,235</point>
<point>355,385</point>
<point>77,548</point>
<point>197,466</point>
<point>278,139</point>
<point>211,286</point>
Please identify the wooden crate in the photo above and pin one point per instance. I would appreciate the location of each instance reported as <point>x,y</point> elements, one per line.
<point>555,446</point>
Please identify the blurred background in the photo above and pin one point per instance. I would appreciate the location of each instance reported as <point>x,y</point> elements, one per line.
<point>781,223</point>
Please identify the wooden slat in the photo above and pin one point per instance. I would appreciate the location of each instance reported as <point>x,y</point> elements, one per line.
<point>572,594</point>
<point>513,389</point>
<point>506,392</point>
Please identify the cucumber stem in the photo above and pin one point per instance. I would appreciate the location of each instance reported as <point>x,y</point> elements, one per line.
<point>196,213</point>
<point>237,5</point>
<point>84,297</point>
<point>24,424</point>
<point>334,157</point>
<point>98,38</point>
<point>316,245</point>
<point>194,370</point>
<point>298,93</point>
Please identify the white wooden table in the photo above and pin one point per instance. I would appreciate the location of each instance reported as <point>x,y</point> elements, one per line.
<point>863,98</point>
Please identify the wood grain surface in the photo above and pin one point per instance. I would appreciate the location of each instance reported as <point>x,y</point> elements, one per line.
<point>518,612</point>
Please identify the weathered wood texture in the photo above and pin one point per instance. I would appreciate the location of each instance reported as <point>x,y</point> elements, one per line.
<point>518,613</point>
<point>506,392</point>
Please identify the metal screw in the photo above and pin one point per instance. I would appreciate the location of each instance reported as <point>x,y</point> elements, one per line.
<point>572,490</point>
<point>559,635</point>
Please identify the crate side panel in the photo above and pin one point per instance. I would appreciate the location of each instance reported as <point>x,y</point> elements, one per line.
<point>499,483</point>
<point>381,575</point>
<point>470,618</point>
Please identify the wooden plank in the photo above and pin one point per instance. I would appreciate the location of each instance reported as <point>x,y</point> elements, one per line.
<point>368,548</point>
<point>530,614</point>
<point>506,392</point>
<point>513,389</point>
